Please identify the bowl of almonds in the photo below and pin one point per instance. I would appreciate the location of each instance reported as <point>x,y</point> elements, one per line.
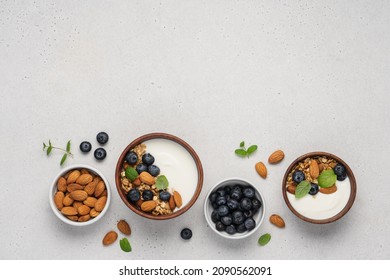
<point>80,195</point>
<point>319,187</point>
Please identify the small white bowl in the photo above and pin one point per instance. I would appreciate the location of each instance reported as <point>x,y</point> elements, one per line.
<point>53,190</point>
<point>258,217</point>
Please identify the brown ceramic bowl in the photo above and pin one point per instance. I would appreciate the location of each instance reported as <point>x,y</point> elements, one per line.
<point>348,199</point>
<point>193,188</point>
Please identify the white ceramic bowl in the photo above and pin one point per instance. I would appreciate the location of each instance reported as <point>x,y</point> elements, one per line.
<point>258,217</point>
<point>53,190</point>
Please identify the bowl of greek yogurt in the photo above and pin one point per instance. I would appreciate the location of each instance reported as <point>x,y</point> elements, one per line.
<point>159,176</point>
<point>319,187</point>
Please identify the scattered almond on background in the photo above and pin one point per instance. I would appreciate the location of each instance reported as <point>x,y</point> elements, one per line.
<point>124,227</point>
<point>110,238</point>
<point>277,221</point>
<point>276,157</point>
<point>261,169</point>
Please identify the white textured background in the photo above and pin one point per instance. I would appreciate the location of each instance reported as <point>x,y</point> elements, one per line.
<point>295,75</point>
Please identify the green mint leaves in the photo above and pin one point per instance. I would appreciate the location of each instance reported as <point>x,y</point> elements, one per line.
<point>242,152</point>
<point>264,239</point>
<point>131,173</point>
<point>49,148</point>
<point>327,178</point>
<point>302,189</point>
<point>162,183</point>
<point>125,245</point>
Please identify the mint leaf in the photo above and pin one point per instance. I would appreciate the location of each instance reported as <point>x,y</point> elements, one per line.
<point>44,146</point>
<point>251,149</point>
<point>63,159</point>
<point>125,245</point>
<point>302,189</point>
<point>327,178</point>
<point>68,146</point>
<point>264,239</point>
<point>131,173</point>
<point>49,149</point>
<point>242,144</point>
<point>162,182</point>
<point>241,152</point>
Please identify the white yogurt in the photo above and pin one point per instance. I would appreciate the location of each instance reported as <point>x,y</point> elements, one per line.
<point>322,206</point>
<point>177,164</point>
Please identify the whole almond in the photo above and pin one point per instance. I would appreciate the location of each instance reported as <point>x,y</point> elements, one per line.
<point>139,202</point>
<point>78,195</point>
<point>330,190</point>
<point>67,200</point>
<point>90,188</point>
<point>146,178</point>
<point>110,238</point>
<point>83,210</point>
<point>73,218</point>
<point>172,204</point>
<point>178,199</point>
<point>90,201</point>
<point>69,211</point>
<point>73,176</point>
<point>74,187</point>
<point>276,157</point>
<point>104,193</point>
<point>291,188</point>
<point>100,203</point>
<point>137,182</point>
<point>93,213</point>
<point>58,200</point>
<point>61,184</point>
<point>277,221</point>
<point>99,188</point>
<point>77,204</point>
<point>84,179</point>
<point>321,167</point>
<point>148,206</point>
<point>314,169</point>
<point>124,227</point>
<point>84,171</point>
<point>261,169</point>
<point>84,218</point>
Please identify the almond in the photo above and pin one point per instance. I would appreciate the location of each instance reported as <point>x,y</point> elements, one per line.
<point>69,211</point>
<point>73,176</point>
<point>330,190</point>
<point>74,187</point>
<point>61,184</point>
<point>99,188</point>
<point>90,201</point>
<point>84,218</point>
<point>261,169</point>
<point>124,227</point>
<point>90,188</point>
<point>104,193</point>
<point>110,238</point>
<point>177,198</point>
<point>78,195</point>
<point>100,203</point>
<point>146,178</point>
<point>137,182</point>
<point>277,221</point>
<point>148,206</point>
<point>276,157</point>
<point>73,218</point>
<point>93,213</point>
<point>84,179</point>
<point>77,204</point>
<point>321,167</point>
<point>314,169</point>
<point>83,210</point>
<point>58,200</point>
<point>84,171</point>
<point>139,202</point>
<point>172,203</point>
<point>67,200</point>
<point>291,188</point>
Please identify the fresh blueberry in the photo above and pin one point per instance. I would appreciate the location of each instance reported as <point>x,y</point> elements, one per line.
<point>102,138</point>
<point>256,204</point>
<point>214,216</point>
<point>232,204</point>
<point>100,153</point>
<point>148,159</point>
<point>249,192</point>
<point>230,229</point>
<point>246,204</point>
<point>221,191</point>
<point>141,168</point>
<point>223,210</point>
<point>131,158</point>
<point>85,146</point>
<point>248,214</point>
<point>228,189</point>
<point>186,234</point>
<point>341,177</point>
<point>314,189</point>
<point>339,170</point>
<point>238,217</point>
<point>214,205</point>
<point>220,226</point>
<point>227,220</point>
<point>165,196</point>
<point>147,195</point>
<point>241,228</point>
<point>221,200</point>
<point>298,176</point>
<point>236,194</point>
<point>133,195</point>
<point>237,188</point>
<point>213,197</point>
<point>153,170</point>
<point>250,224</point>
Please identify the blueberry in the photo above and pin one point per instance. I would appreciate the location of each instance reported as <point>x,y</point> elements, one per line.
<point>237,188</point>
<point>236,194</point>
<point>102,138</point>
<point>221,191</point>
<point>148,159</point>
<point>341,177</point>
<point>256,204</point>
<point>186,233</point>
<point>246,203</point>
<point>165,196</point>
<point>298,176</point>
<point>248,214</point>
<point>214,205</point>
<point>221,200</point>
<point>249,192</point>
<point>232,204</point>
<point>214,216</point>
<point>147,195</point>
<point>133,195</point>
<point>250,224</point>
<point>153,170</point>
<point>85,146</point>
<point>131,158</point>
<point>141,168</point>
<point>227,220</point>
<point>238,217</point>
<point>339,170</point>
<point>213,197</point>
<point>100,153</point>
<point>230,229</point>
<point>223,210</point>
<point>220,226</point>
<point>314,189</point>
<point>241,228</point>
<point>228,189</point>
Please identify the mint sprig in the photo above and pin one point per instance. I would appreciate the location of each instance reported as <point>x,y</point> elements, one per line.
<point>162,183</point>
<point>49,148</point>
<point>302,189</point>
<point>125,245</point>
<point>327,178</point>
<point>243,152</point>
<point>264,239</point>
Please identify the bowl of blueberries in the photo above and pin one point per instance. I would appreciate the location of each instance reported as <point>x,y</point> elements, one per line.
<point>234,208</point>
